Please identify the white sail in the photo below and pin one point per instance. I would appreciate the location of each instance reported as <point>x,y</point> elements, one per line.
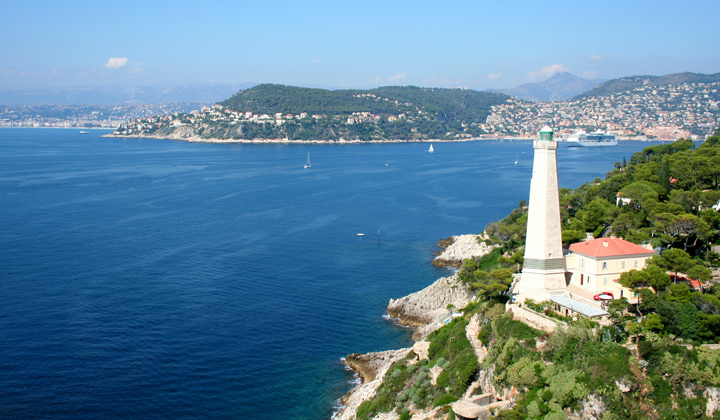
<point>431,149</point>
<point>307,165</point>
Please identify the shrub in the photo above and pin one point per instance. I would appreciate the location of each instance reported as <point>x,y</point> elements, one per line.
<point>566,388</point>
<point>484,335</point>
<point>661,389</point>
<point>445,399</point>
<point>525,373</point>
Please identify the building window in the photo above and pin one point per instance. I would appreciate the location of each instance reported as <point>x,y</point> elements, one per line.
<point>605,265</point>
<point>604,281</point>
<point>636,263</point>
<point>582,263</point>
<point>622,264</point>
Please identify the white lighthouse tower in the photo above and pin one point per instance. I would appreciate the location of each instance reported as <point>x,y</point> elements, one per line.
<point>544,265</point>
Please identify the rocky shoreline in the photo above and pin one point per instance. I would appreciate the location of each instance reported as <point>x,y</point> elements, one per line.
<point>459,248</point>
<point>426,310</point>
<point>192,138</point>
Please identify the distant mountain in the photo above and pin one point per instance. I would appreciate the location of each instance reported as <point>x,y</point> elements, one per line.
<point>625,84</point>
<point>108,95</point>
<point>559,87</point>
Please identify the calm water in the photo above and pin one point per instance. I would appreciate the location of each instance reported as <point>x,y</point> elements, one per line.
<point>169,280</point>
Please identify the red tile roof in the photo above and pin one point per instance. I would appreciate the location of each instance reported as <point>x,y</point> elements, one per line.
<point>694,284</point>
<point>609,247</point>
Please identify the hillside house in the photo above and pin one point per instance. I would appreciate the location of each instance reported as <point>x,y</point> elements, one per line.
<point>596,265</point>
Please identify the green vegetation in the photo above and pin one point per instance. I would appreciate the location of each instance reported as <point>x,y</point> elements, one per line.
<point>628,83</point>
<point>408,382</point>
<point>445,104</point>
<point>294,113</point>
<point>672,189</point>
<point>650,361</point>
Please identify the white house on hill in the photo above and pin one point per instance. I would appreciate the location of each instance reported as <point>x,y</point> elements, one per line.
<point>596,265</point>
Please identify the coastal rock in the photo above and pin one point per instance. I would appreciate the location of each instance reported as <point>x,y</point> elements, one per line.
<point>428,307</point>
<point>374,365</point>
<point>713,401</point>
<point>370,365</point>
<point>461,248</point>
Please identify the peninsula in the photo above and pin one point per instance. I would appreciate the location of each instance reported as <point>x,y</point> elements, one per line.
<point>636,108</point>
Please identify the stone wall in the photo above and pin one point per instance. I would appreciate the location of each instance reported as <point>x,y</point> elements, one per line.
<point>535,320</point>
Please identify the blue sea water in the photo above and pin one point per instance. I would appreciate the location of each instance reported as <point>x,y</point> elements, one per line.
<point>172,280</point>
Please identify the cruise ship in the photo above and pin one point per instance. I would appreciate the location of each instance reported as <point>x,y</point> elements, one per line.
<point>594,139</point>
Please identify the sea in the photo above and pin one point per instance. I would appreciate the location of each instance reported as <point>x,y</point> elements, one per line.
<point>170,280</point>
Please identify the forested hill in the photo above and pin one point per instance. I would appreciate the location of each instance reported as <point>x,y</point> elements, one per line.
<point>625,84</point>
<point>286,113</point>
<point>446,104</point>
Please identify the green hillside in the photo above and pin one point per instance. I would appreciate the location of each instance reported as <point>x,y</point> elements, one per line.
<point>657,359</point>
<point>625,84</point>
<point>268,111</point>
<point>445,104</point>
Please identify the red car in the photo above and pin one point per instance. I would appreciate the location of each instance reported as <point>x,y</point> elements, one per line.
<point>604,296</point>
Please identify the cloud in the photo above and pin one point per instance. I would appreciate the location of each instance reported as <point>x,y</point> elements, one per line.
<point>116,62</point>
<point>494,76</point>
<point>596,57</point>
<point>389,79</point>
<point>545,72</point>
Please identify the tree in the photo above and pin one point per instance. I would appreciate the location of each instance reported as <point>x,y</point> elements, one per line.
<point>595,213</point>
<point>659,279</point>
<point>680,293</point>
<point>690,227</point>
<point>699,272</point>
<point>653,322</point>
<point>634,278</point>
<point>675,260</point>
<point>664,175</point>
<point>486,284</point>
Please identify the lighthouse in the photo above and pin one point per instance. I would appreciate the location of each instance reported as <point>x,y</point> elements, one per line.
<point>544,264</point>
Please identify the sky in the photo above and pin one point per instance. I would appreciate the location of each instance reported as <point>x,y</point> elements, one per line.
<point>342,44</point>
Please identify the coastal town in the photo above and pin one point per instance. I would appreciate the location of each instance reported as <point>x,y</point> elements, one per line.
<point>85,116</point>
<point>650,112</point>
<point>669,112</point>
<point>687,110</point>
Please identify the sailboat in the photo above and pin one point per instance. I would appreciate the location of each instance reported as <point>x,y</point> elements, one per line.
<point>307,165</point>
<point>431,149</point>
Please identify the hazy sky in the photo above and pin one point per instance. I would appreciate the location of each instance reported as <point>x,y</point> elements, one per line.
<point>477,44</point>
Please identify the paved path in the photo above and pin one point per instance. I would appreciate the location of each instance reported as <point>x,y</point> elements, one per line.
<point>471,331</point>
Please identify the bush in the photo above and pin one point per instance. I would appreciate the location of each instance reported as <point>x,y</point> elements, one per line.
<point>484,334</point>
<point>445,399</point>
